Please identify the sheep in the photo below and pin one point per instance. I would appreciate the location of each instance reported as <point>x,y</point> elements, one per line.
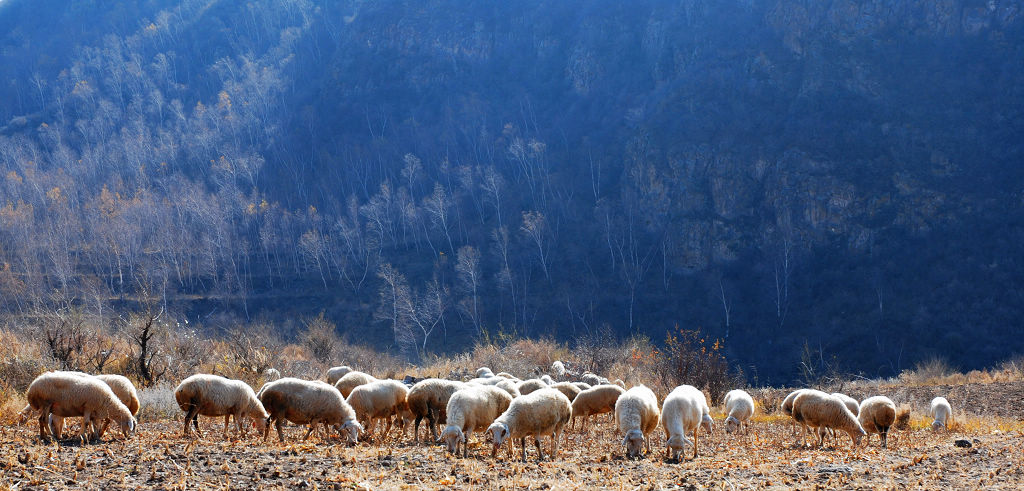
<point>494,380</point>
<point>335,373</point>
<point>213,395</point>
<point>877,414</point>
<point>123,389</point>
<point>787,405</point>
<point>595,400</point>
<point>570,390</point>
<point>510,387</point>
<point>351,380</point>
<point>271,374</point>
<point>685,410</point>
<point>429,398</point>
<point>940,411</point>
<point>527,386</point>
<point>850,402</point>
<point>71,395</point>
<point>547,379</point>
<point>308,402</point>
<point>472,409</point>
<point>507,375</point>
<point>740,407</point>
<point>590,379</point>
<point>620,383</point>
<point>558,370</point>
<point>816,409</point>
<point>582,386</point>
<point>378,399</point>
<point>542,412</point>
<point>484,372</point>
<point>637,415</point>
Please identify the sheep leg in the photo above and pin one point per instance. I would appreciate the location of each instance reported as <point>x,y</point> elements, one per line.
<point>310,430</point>
<point>884,433</point>
<point>416,428</point>
<point>522,446</point>
<point>280,435</point>
<point>44,423</point>
<point>554,443</point>
<point>465,443</point>
<point>540,452</point>
<point>86,422</point>
<point>227,423</point>
<point>266,429</point>
<point>387,429</point>
<point>695,442</point>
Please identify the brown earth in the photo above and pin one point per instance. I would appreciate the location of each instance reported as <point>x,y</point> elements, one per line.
<point>158,457</point>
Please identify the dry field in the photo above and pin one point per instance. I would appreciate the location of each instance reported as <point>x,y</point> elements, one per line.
<point>158,457</point>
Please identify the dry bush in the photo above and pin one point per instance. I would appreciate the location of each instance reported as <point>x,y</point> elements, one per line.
<point>902,417</point>
<point>157,403</point>
<point>523,358</point>
<point>928,372</point>
<point>689,358</point>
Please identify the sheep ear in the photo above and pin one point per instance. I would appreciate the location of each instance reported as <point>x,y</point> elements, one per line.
<point>625,441</point>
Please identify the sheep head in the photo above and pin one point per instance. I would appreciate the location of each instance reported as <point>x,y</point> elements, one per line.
<point>499,432</point>
<point>634,442</point>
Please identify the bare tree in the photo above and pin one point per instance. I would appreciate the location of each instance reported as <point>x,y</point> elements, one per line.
<point>468,268</point>
<point>535,228</point>
<point>394,297</point>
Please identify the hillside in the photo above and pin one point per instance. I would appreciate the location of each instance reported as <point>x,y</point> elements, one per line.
<point>834,183</point>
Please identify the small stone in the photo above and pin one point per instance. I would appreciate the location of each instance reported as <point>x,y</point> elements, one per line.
<point>962,443</point>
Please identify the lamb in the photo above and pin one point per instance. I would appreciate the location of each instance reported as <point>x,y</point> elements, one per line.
<point>740,407</point>
<point>877,414</point>
<point>378,399</point>
<point>542,412</point>
<point>637,415</point>
<point>595,400</point>
<point>335,373</point>
<point>71,395</point>
<point>547,379</point>
<point>817,409</point>
<point>429,398</point>
<point>308,402</point>
<point>484,372</point>
<point>213,395</point>
<point>510,387</point>
<point>528,386</point>
<point>590,379</point>
<point>941,411</point>
<point>685,410</point>
<point>472,409</point>
<point>570,390</point>
<point>351,380</point>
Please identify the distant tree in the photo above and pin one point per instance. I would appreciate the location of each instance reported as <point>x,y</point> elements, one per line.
<point>468,268</point>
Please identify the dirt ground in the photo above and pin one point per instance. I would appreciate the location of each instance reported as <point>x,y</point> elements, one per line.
<point>158,457</point>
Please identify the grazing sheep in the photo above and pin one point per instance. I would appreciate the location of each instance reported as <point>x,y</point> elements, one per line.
<point>510,387</point>
<point>484,372</point>
<point>685,410</point>
<point>271,374</point>
<point>64,395</point>
<point>308,402</point>
<point>850,402</point>
<point>213,395</point>
<point>558,370</point>
<point>570,390</point>
<point>595,400</point>
<point>123,389</point>
<point>542,412</point>
<point>582,385</point>
<point>816,409</point>
<point>351,380</point>
<point>787,405</point>
<point>334,374</point>
<point>472,409</point>
<point>495,380</point>
<point>637,415</point>
<point>940,411</point>
<point>429,398</point>
<point>507,375</point>
<point>378,399</point>
<point>547,379</point>
<point>877,414</point>
<point>740,407</point>
<point>591,379</point>
<point>528,386</point>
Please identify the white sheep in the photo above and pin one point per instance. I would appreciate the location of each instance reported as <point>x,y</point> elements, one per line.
<point>877,415</point>
<point>567,388</point>
<point>308,402</point>
<point>547,379</point>
<point>509,386</point>
<point>637,415</point>
<point>72,395</point>
<point>592,379</point>
<point>684,411</point>
<point>595,400</point>
<point>472,409</point>
<point>335,373</point>
<point>528,386</point>
<point>940,411</point>
<point>493,380</point>
<point>380,399</point>
<point>583,386</point>
<point>542,412</point>
<point>851,404</point>
<point>620,383</point>
<point>429,399</point>
<point>816,409</point>
<point>351,380</point>
<point>739,407</point>
<point>787,405</point>
<point>507,375</point>
<point>123,389</point>
<point>558,370</point>
<point>484,372</point>
<point>213,395</point>
<point>271,374</point>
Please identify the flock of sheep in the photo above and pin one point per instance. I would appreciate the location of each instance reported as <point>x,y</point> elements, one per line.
<point>502,406</point>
